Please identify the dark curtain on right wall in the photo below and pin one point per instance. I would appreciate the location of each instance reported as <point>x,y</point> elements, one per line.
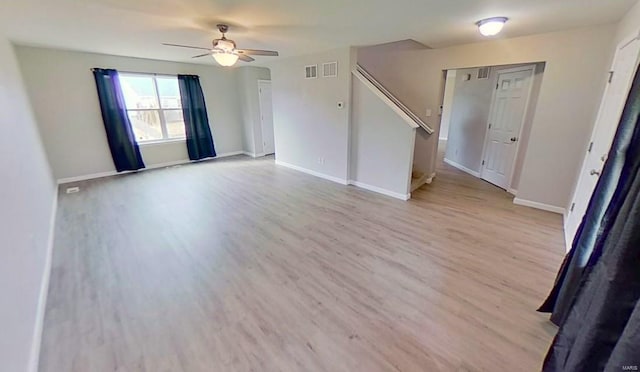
<point>196,120</point>
<point>596,297</point>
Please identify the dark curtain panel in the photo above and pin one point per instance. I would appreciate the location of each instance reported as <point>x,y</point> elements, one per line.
<point>196,121</point>
<point>600,327</point>
<point>122,143</point>
<point>587,244</point>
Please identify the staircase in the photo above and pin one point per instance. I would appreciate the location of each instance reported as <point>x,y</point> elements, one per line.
<point>419,178</point>
<point>384,139</point>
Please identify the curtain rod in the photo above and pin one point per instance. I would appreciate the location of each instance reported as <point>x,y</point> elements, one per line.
<point>138,72</point>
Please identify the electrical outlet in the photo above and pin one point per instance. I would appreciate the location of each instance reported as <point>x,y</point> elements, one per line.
<point>73,190</point>
<point>321,160</point>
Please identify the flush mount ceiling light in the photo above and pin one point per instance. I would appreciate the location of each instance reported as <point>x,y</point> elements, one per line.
<point>491,26</point>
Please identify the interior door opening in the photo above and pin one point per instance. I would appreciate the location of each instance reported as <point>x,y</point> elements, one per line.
<point>625,64</point>
<point>266,117</point>
<point>486,120</point>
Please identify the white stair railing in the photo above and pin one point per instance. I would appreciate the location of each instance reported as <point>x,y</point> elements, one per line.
<point>412,119</point>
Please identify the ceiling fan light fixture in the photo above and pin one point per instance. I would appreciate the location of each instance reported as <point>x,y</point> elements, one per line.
<point>226,45</point>
<point>226,59</point>
<point>224,50</point>
<point>491,26</point>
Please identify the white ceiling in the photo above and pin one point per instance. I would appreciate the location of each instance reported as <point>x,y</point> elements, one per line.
<point>138,27</point>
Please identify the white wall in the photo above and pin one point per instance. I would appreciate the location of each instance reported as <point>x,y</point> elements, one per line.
<point>629,25</point>
<point>538,78</point>
<point>381,144</point>
<point>573,84</point>
<point>250,103</point>
<point>308,125</point>
<point>447,104</point>
<point>63,94</point>
<point>27,204</point>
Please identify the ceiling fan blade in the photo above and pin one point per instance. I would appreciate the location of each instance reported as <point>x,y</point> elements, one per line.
<point>245,58</point>
<point>258,52</point>
<point>185,46</point>
<point>202,55</point>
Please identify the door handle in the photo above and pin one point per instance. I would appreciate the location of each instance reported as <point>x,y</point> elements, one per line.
<point>594,172</point>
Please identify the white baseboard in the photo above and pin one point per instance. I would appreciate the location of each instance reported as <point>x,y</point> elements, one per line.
<point>462,168</point>
<point>345,182</point>
<point>253,154</point>
<point>512,191</point>
<point>152,166</point>
<point>34,358</point>
<point>227,154</point>
<point>62,181</point>
<point>380,190</point>
<point>544,207</point>
<point>313,173</point>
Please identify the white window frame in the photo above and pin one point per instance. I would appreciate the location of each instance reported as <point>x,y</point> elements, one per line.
<point>159,110</point>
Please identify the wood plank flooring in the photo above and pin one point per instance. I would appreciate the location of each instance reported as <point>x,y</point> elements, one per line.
<point>242,265</point>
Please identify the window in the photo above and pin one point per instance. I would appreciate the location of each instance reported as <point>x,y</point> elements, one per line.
<point>154,106</point>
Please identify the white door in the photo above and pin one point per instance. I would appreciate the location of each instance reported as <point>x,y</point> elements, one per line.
<point>505,122</point>
<point>624,66</point>
<point>266,117</point>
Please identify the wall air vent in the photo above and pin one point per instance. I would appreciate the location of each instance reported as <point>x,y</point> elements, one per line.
<point>330,69</point>
<point>311,72</point>
<point>483,73</point>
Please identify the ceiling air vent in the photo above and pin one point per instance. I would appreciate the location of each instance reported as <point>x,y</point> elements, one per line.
<point>483,73</point>
<point>330,69</point>
<point>311,72</point>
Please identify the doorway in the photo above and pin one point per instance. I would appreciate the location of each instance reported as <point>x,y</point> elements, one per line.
<point>624,66</point>
<point>488,112</point>
<point>506,118</point>
<point>266,117</point>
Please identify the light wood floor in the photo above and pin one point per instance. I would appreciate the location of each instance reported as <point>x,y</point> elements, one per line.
<point>242,265</point>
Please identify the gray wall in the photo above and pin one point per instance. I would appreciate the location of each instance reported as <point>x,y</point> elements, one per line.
<point>468,122</point>
<point>381,143</point>
<point>565,111</point>
<point>27,197</point>
<point>308,125</point>
<point>250,103</point>
<point>64,99</point>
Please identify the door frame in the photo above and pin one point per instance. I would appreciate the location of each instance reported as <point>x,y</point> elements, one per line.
<point>583,166</point>
<point>532,69</point>
<point>262,152</point>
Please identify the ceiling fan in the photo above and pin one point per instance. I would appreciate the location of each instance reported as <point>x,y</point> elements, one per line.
<point>224,50</point>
